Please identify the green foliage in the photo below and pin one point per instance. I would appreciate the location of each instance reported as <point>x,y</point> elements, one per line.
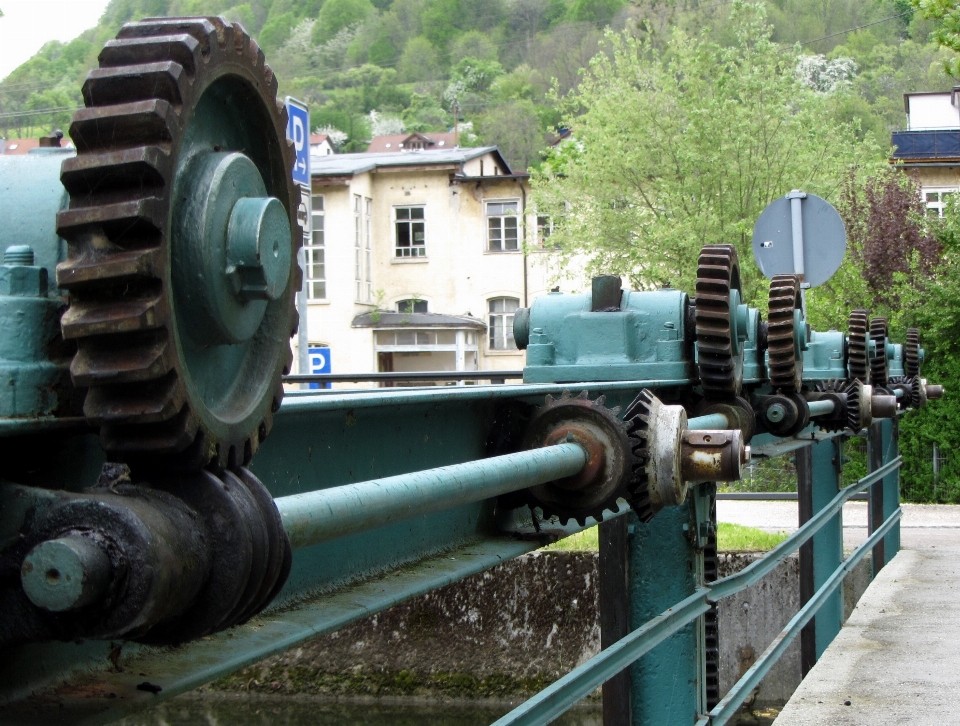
<point>513,126</point>
<point>419,62</point>
<point>595,11</point>
<point>730,538</point>
<point>276,31</point>
<point>946,13</point>
<point>685,146</point>
<point>336,15</point>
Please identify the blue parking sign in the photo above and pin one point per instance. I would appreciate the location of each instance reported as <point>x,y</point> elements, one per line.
<point>298,131</point>
<point>320,363</point>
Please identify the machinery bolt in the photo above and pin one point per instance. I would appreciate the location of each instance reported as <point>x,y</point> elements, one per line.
<point>776,412</point>
<point>18,255</point>
<point>65,573</point>
<point>258,248</point>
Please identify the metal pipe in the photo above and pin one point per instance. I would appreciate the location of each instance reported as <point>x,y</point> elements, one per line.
<point>710,421</point>
<point>326,514</point>
<point>395,376</point>
<point>820,408</point>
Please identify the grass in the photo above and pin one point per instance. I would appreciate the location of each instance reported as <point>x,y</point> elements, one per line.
<point>730,538</point>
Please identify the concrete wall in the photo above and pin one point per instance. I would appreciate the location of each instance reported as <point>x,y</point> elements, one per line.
<point>524,623</point>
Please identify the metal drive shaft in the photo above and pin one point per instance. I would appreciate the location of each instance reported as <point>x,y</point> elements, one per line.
<point>330,513</point>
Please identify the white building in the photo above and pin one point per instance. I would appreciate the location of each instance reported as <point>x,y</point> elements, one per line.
<point>418,260</point>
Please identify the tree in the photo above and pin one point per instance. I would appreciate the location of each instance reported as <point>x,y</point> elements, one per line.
<point>515,129</point>
<point>683,147</point>
<point>335,15</point>
<point>947,15</point>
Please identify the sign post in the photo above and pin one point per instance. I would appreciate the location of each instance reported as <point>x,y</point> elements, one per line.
<point>298,131</point>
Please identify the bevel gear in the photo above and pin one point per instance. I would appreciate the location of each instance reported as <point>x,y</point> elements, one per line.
<point>905,386</point>
<point>785,367</point>
<point>719,350</point>
<point>844,395</point>
<point>858,362</point>
<point>182,330</point>
<point>911,353</point>
<point>610,464</point>
<point>878,363</point>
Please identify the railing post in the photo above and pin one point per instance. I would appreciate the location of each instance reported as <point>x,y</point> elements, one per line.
<point>665,566</point>
<point>818,481</point>
<point>882,447</point>
<point>614,614</point>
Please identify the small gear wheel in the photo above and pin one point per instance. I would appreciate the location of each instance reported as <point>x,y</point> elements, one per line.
<point>719,354</point>
<point>785,367</point>
<point>610,461</point>
<point>918,392</point>
<point>835,391</point>
<point>858,363</point>
<point>878,363</point>
<point>905,386</point>
<point>911,353</point>
<point>858,405</point>
<point>637,418</point>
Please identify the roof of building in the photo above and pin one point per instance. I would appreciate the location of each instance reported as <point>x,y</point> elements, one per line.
<point>316,139</point>
<point>13,147</point>
<point>393,143</point>
<point>392,319</point>
<point>349,164</point>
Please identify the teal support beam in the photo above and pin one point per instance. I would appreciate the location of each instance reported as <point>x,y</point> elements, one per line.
<point>665,568</point>
<point>319,516</point>
<point>818,482</point>
<point>885,494</point>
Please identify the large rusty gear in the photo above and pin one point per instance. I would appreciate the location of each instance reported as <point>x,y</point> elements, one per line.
<point>879,370</point>
<point>168,93</point>
<point>720,361</point>
<point>858,361</point>
<point>785,368</point>
<point>610,461</point>
<point>911,353</point>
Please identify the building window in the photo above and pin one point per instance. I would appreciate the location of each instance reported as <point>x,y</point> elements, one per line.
<point>315,253</point>
<point>937,201</point>
<point>357,248</point>
<point>503,226</point>
<point>411,240</point>
<point>501,323</point>
<point>544,230</point>
<point>412,305</point>
<point>368,250</point>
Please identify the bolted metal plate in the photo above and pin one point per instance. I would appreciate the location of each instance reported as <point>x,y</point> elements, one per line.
<point>824,239</point>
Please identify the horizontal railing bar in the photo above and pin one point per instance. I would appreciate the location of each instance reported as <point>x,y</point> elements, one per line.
<point>402,376</point>
<point>318,516</point>
<point>733,584</point>
<point>558,697</point>
<point>773,496</point>
<point>741,690</point>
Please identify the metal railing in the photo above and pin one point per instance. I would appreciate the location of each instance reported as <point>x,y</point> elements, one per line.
<point>402,377</point>
<point>581,681</point>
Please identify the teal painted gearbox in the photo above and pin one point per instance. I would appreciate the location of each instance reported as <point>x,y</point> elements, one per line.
<point>645,338</point>
<point>32,384</point>
<point>825,357</point>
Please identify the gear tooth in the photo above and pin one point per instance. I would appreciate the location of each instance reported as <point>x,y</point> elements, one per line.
<point>601,400</point>
<point>548,399</point>
<point>119,268</point>
<point>108,86</point>
<point>583,396</point>
<point>182,48</point>
<point>616,410</point>
<point>97,317</point>
<point>120,359</point>
<point>565,394</point>
<point>140,168</point>
<point>102,127</point>
<point>129,223</point>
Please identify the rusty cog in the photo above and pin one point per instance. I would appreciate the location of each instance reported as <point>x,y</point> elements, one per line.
<point>878,362</point>
<point>785,368</point>
<point>858,362</point>
<point>171,100</point>
<point>610,466</point>
<point>719,355</point>
<point>911,353</point>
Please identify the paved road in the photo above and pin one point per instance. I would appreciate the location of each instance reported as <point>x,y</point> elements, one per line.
<point>921,523</point>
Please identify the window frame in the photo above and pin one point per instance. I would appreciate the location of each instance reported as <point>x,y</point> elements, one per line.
<point>409,222</point>
<point>315,254</point>
<point>502,226</point>
<point>506,325</point>
<point>939,204</point>
<point>417,302</point>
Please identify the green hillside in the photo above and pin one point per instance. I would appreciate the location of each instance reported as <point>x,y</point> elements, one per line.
<point>381,66</point>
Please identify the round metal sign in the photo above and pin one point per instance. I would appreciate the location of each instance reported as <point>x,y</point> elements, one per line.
<point>800,234</point>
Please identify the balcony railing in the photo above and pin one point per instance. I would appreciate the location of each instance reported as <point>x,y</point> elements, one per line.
<point>932,144</point>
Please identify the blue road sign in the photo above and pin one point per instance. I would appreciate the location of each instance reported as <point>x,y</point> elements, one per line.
<point>298,131</point>
<point>320,363</point>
